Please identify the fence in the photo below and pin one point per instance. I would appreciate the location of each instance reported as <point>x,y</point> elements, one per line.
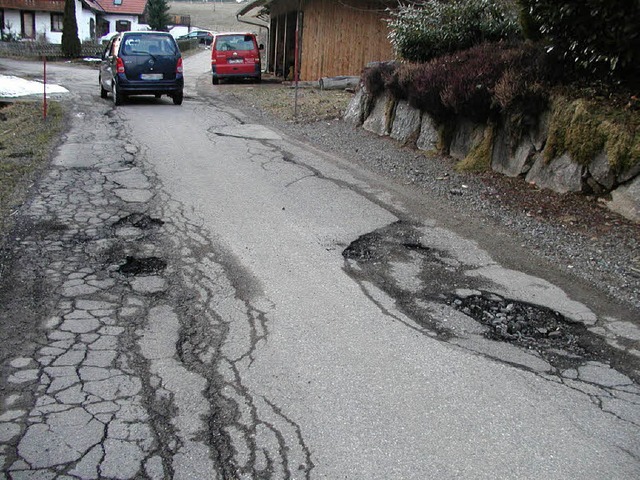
<point>54,52</point>
<point>39,50</point>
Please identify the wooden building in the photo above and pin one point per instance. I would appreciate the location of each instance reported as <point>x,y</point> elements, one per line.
<point>336,37</point>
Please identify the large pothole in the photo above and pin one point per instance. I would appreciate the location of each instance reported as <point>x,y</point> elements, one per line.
<point>397,261</point>
<point>521,323</point>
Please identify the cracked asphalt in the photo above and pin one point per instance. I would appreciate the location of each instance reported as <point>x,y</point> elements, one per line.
<point>190,294</point>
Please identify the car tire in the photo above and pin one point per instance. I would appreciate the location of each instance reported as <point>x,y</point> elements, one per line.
<point>177,98</point>
<point>215,80</point>
<point>158,95</point>
<point>118,98</point>
<point>103,93</point>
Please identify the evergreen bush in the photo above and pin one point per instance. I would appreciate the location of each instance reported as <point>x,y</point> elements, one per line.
<point>70,46</point>
<point>421,32</point>
<point>158,15</point>
<point>598,37</point>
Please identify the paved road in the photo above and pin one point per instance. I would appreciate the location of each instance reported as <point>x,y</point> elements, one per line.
<point>193,295</point>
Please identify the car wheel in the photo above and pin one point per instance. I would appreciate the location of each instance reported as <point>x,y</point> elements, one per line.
<point>103,93</point>
<point>258,79</point>
<point>157,95</point>
<point>118,98</point>
<point>215,80</point>
<point>177,98</point>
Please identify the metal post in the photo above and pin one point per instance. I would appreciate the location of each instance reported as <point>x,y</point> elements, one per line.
<point>44,82</point>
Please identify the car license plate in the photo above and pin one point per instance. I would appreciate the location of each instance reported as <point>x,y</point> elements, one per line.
<point>151,76</point>
<point>236,60</point>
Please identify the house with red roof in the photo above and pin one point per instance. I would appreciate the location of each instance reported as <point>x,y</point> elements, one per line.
<point>43,19</point>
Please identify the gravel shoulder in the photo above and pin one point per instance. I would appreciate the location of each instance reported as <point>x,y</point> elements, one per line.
<point>575,236</point>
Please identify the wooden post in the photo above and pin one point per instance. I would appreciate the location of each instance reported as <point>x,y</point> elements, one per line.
<point>295,60</point>
<point>275,47</point>
<point>284,47</point>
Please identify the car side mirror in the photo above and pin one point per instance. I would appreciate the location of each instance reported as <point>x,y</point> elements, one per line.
<point>261,46</point>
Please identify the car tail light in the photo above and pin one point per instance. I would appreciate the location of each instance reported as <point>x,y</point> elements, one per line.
<point>179,66</point>
<point>119,65</point>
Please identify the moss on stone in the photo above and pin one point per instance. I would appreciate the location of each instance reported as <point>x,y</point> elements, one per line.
<point>445,136</point>
<point>389,113</point>
<point>479,158</point>
<point>584,128</point>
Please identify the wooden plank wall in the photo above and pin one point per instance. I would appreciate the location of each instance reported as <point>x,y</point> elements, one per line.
<point>341,37</point>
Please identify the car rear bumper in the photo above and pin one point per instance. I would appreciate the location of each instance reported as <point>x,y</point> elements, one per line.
<point>236,71</point>
<point>151,87</point>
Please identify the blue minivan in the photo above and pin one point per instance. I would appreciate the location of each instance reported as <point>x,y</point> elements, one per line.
<point>141,63</point>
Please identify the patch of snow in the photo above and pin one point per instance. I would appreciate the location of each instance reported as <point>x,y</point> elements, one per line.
<point>12,87</point>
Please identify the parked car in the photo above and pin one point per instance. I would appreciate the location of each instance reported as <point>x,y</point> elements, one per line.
<point>203,36</point>
<point>141,63</point>
<point>235,55</point>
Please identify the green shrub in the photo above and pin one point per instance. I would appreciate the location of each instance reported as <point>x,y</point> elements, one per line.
<point>438,27</point>
<point>600,37</point>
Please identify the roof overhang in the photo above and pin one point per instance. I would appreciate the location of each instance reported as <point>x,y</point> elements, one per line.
<point>258,10</point>
<point>263,5</point>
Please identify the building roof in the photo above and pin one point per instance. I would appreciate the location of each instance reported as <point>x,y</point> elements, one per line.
<point>34,5</point>
<point>260,8</point>
<point>130,7</point>
<point>126,7</point>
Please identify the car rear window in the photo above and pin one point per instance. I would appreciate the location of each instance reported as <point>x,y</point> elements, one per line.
<point>146,44</point>
<point>235,42</point>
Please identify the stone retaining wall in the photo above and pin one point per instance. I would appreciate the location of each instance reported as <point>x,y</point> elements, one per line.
<point>386,116</point>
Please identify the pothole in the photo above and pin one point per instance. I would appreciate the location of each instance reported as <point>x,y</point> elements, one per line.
<point>138,220</point>
<point>521,323</point>
<point>395,240</point>
<point>562,342</point>
<point>362,249</point>
<point>142,266</point>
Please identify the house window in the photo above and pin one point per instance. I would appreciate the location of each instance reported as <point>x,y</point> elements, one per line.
<point>56,22</point>
<point>123,25</point>
<point>117,2</point>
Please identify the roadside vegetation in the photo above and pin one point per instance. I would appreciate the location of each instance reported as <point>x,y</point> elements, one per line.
<point>26,143</point>
<point>313,105</point>
<point>489,59</point>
